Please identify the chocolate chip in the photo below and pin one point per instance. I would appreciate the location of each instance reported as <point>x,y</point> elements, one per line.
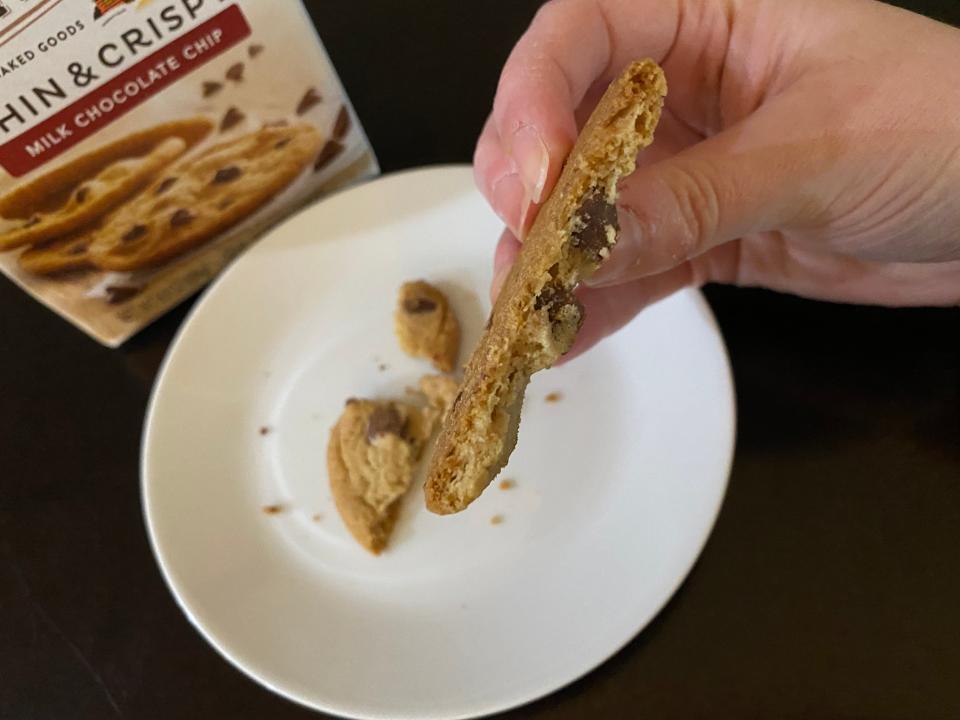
<point>165,185</point>
<point>235,72</point>
<point>554,298</point>
<point>211,88</point>
<point>82,194</point>
<point>35,220</point>
<point>181,217</point>
<point>385,421</point>
<point>76,250</point>
<point>134,233</point>
<point>418,306</point>
<point>231,118</point>
<point>119,294</point>
<point>309,100</point>
<point>254,50</point>
<point>342,126</point>
<point>327,155</point>
<point>595,216</point>
<point>226,175</point>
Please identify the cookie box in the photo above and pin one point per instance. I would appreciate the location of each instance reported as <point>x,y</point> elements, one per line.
<point>145,143</point>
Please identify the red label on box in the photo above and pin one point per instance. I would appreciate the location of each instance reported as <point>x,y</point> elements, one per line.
<point>131,88</point>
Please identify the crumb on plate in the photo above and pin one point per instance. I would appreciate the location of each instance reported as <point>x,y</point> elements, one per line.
<point>508,484</point>
<point>496,520</point>
<point>554,397</point>
<point>273,509</point>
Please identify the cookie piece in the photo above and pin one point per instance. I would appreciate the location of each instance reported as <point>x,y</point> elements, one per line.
<point>426,326</point>
<point>371,458</point>
<point>82,190</point>
<point>203,196</point>
<point>441,393</point>
<point>66,254</point>
<point>537,316</point>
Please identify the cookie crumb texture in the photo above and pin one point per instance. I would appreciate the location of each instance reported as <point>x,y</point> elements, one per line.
<point>537,316</point>
<point>426,325</point>
<point>371,458</point>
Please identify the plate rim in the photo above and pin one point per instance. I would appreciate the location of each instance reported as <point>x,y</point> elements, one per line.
<point>341,710</point>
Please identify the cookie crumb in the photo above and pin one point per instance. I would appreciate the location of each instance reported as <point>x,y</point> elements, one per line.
<point>554,397</point>
<point>496,520</point>
<point>382,367</point>
<point>508,484</point>
<point>273,509</point>
<point>255,50</point>
<point>265,430</point>
<point>317,517</point>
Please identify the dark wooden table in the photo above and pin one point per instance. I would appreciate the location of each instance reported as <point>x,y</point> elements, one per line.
<point>830,588</point>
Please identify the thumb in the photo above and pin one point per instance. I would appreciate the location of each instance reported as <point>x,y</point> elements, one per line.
<point>753,177</point>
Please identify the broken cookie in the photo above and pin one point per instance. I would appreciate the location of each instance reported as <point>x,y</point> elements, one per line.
<point>371,458</point>
<point>426,325</point>
<point>537,315</point>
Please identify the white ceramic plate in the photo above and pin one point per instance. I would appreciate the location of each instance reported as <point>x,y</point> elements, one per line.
<point>617,485</point>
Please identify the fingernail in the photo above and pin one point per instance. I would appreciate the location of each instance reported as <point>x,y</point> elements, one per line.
<point>530,154</point>
<point>509,200</point>
<point>623,255</point>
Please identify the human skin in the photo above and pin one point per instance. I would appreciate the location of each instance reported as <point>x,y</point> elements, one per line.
<point>810,147</point>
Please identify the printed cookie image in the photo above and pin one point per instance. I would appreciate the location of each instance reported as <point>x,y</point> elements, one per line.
<point>537,316</point>
<point>371,458</point>
<point>66,254</point>
<point>203,196</point>
<point>426,326</point>
<point>82,190</point>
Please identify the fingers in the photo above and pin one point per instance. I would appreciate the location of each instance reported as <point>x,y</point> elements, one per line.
<point>506,253</point>
<point>759,175</point>
<point>570,46</point>
<point>609,309</point>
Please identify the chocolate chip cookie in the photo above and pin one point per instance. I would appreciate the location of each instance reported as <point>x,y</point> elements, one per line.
<point>83,190</point>
<point>203,196</point>
<point>537,316</point>
<point>57,256</point>
<point>371,459</point>
<point>426,326</point>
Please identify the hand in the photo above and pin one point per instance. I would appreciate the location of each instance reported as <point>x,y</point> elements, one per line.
<point>811,147</point>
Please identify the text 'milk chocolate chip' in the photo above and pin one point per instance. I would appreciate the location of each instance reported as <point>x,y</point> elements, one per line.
<point>310,100</point>
<point>181,217</point>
